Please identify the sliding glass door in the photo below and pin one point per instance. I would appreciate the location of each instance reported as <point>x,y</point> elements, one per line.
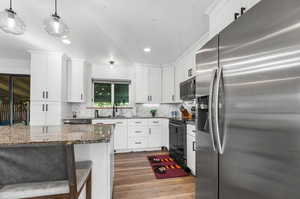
<point>14,99</point>
<point>5,116</point>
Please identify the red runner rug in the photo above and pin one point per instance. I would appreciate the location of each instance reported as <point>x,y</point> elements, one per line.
<point>164,167</point>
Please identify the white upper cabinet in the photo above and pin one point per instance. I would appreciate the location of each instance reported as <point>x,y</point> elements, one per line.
<point>168,84</point>
<point>148,85</point>
<point>179,77</point>
<point>78,80</point>
<point>141,84</point>
<point>154,85</point>
<point>223,13</point>
<point>47,92</point>
<point>46,76</point>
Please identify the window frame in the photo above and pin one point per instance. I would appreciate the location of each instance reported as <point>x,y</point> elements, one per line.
<point>112,88</point>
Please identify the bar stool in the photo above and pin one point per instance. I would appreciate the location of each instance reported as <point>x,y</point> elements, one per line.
<point>43,172</point>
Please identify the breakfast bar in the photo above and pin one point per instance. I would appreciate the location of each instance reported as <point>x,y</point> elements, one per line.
<point>67,161</point>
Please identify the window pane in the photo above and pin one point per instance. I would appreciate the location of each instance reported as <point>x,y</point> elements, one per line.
<point>4,100</point>
<point>21,98</point>
<point>102,94</point>
<point>121,94</point>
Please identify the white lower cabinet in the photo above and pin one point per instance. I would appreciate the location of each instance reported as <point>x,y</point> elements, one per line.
<point>45,113</point>
<point>120,132</point>
<point>191,153</point>
<point>137,142</point>
<point>165,133</point>
<point>154,136</point>
<point>137,131</point>
<point>138,134</point>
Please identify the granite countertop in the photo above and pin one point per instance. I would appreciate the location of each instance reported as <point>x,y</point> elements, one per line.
<point>64,134</point>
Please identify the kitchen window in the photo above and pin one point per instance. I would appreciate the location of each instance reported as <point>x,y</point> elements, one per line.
<point>109,93</point>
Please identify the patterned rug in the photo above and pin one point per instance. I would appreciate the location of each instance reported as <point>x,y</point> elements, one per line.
<point>164,167</point>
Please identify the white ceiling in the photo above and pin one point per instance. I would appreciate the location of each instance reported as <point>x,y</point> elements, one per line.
<point>101,29</point>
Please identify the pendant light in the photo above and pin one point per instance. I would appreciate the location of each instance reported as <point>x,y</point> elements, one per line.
<point>10,22</point>
<point>55,26</point>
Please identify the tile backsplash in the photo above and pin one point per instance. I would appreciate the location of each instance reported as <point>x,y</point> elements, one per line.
<point>140,110</point>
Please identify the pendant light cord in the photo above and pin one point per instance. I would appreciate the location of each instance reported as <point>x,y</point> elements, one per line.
<point>55,8</point>
<point>10,4</point>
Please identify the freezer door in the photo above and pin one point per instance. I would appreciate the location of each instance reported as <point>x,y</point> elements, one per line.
<point>260,56</point>
<point>206,155</point>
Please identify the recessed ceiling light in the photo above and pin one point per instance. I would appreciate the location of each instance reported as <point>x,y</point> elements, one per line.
<point>66,41</point>
<point>147,50</point>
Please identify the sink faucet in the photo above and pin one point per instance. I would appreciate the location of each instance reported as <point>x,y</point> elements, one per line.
<point>115,110</point>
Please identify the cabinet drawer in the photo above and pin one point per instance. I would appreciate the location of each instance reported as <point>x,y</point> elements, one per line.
<point>121,122</point>
<point>137,131</point>
<point>135,143</point>
<point>137,122</point>
<point>117,122</point>
<point>154,122</point>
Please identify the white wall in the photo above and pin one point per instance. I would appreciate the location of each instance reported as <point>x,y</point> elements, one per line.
<point>118,71</point>
<point>14,66</point>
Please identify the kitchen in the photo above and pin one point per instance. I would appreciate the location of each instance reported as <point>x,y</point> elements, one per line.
<point>209,111</point>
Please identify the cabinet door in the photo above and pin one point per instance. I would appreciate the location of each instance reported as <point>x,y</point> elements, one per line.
<point>165,133</point>
<point>141,85</point>
<point>37,113</point>
<point>168,94</point>
<point>54,77</point>
<point>154,136</point>
<point>53,113</point>
<point>178,79</point>
<point>155,85</point>
<point>87,84</point>
<point>38,76</point>
<point>120,137</point>
<point>76,80</point>
<point>191,154</point>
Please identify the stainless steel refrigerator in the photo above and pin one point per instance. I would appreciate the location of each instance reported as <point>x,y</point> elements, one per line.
<point>248,106</point>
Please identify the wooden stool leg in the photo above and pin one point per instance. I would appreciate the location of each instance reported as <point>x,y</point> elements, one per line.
<point>89,187</point>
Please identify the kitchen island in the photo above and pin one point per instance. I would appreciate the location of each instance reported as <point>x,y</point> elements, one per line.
<point>90,142</point>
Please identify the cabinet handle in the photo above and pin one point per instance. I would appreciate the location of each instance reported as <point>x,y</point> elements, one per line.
<point>194,143</point>
<point>138,142</point>
<point>150,97</point>
<point>243,9</point>
<point>236,15</point>
<point>194,131</point>
<point>119,123</point>
<point>137,122</point>
<point>149,131</point>
<point>43,94</point>
<point>155,122</point>
<point>43,107</point>
<point>138,132</point>
<point>46,107</point>
<point>81,96</point>
<point>173,98</point>
<point>46,94</point>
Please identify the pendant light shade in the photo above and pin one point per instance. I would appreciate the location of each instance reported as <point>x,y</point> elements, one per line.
<point>55,26</point>
<point>10,22</point>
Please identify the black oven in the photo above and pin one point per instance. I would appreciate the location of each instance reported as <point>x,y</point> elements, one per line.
<point>188,89</point>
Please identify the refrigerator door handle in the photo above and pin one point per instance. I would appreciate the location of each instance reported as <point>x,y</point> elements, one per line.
<point>210,104</point>
<point>216,114</point>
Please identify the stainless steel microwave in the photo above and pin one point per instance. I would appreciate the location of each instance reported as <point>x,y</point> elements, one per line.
<point>188,89</point>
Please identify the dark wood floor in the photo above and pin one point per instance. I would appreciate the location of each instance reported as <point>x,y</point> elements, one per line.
<point>134,179</point>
